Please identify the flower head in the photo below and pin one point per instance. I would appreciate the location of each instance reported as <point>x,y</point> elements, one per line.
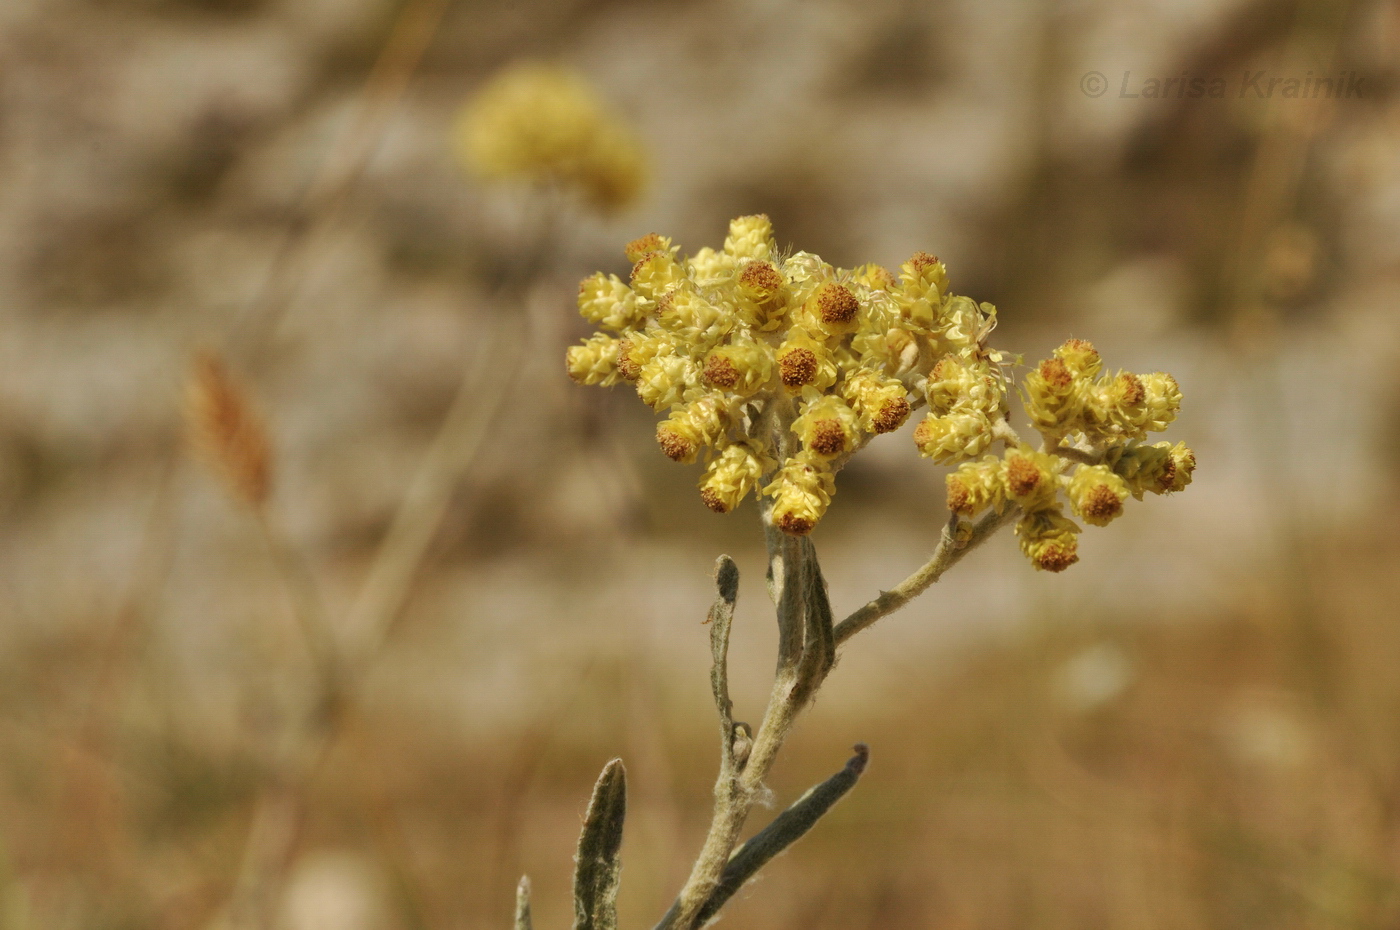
<point>774,368</point>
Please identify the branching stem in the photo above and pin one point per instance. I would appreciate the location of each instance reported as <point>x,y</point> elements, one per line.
<point>948,553</point>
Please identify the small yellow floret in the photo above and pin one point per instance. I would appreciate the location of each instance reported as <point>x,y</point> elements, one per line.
<point>1049,539</point>
<point>595,361</point>
<point>954,437</point>
<point>1097,494</point>
<point>731,476</point>
<point>880,402</point>
<point>827,426</point>
<point>976,486</point>
<point>750,237</point>
<point>801,491</point>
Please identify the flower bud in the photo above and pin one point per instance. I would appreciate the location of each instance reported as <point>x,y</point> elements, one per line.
<point>875,277</point>
<point>750,237</point>
<point>962,322</point>
<point>595,361</point>
<point>832,309</point>
<point>692,318</point>
<point>1117,405</point>
<point>764,294</point>
<point>636,349</point>
<point>742,367</point>
<point>954,437</point>
<point>605,301</point>
<point>827,427</point>
<point>803,362</point>
<point>544,124</point>
<point>1097,494</point>
<point>1054,398</point>
<point>924,278</point>
<point>920,295</point>
<point>893,350</point>
<point>960,386</point>
<point>1163,401</point>
<point>1049,539</point>
<point>1031,478</point>
<point>688,430</point>
<point>1183,466</point>
<point>710,268</point>
<point>656,274</point>
<point>1152,468</point>
<point>801,493</point>
<point>880,402</point>
<point>731,476</point>
<point>667,380</point>
<point>975,486</point>
<point>1080,357</point>
<point>651,242</point>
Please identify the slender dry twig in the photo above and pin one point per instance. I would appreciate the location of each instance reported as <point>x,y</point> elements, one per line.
<point>307,608</point>
<point>340,171</point>
<point>480,396</point>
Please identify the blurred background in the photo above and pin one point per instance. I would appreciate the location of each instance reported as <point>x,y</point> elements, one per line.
<point>1197,726</point>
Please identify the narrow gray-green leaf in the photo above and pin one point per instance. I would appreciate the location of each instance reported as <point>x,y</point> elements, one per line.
<point>786,585</point>
<point>522,905</point>
<point>786,829</point>
<point>819,640</point>
<point>597,866</point>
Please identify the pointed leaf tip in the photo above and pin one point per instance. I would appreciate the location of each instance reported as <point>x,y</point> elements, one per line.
<point>598,867</point>
<point>522,905</point>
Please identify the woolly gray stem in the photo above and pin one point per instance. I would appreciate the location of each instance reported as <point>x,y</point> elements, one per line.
<point>806,653</point>
<point>787,828</point>
<point>948,553</point>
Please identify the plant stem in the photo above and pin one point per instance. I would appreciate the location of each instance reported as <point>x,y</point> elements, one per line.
<point>802,662</point>
<point>948,553</point>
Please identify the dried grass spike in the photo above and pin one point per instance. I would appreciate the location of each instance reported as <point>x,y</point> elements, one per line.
<point>227,431</point>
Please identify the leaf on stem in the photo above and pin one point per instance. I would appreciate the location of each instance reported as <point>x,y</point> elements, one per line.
<point>806,640</point>
<point>597,866</point>
<point>819,639</point>
<point>721,616</point>
<point>786,829</point>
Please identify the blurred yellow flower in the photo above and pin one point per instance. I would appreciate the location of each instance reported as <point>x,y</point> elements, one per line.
<point>544,124</point>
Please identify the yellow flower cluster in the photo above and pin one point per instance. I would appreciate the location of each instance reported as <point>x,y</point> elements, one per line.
<point>776,367</point>
<point>1067,394</point>
<point>1105,417</point>
<point>543,124</point>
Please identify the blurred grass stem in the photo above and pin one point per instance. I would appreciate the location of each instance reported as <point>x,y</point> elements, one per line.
<point>479,398</point>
